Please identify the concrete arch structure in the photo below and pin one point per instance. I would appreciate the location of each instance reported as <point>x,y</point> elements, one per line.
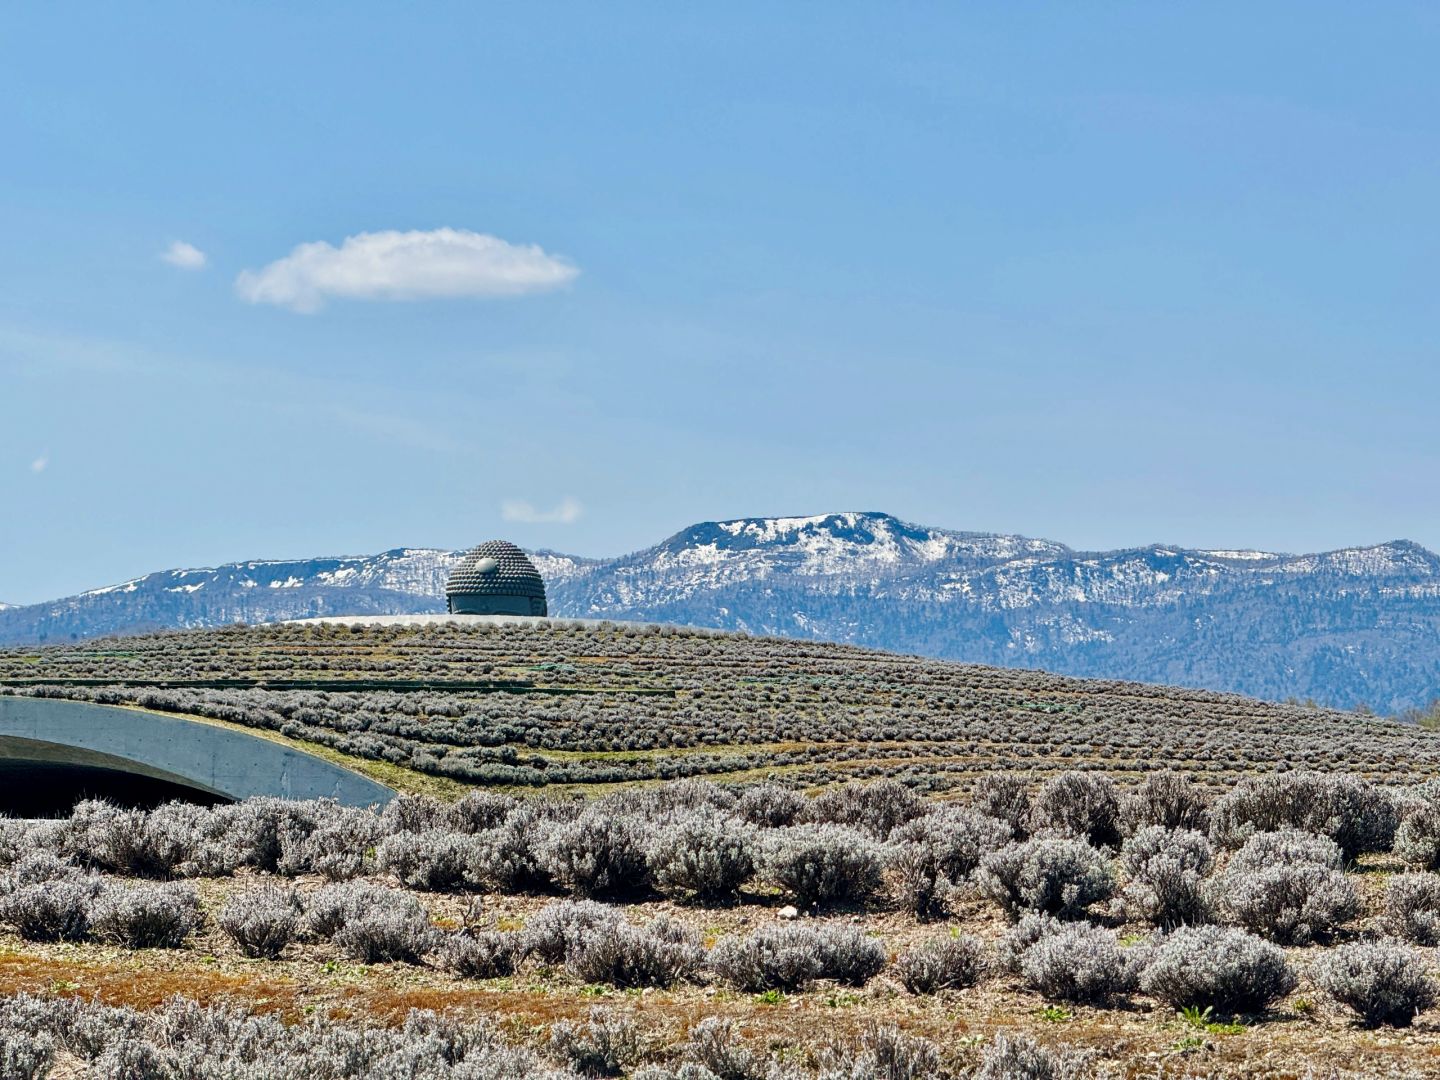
<point>217,761</point>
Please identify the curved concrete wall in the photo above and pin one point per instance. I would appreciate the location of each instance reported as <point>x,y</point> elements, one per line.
<point>214,759</point>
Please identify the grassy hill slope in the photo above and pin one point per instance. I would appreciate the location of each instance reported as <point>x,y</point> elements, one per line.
<point>560,703</point>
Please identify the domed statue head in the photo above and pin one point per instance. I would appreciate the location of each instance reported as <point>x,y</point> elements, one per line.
<point>496,578</point>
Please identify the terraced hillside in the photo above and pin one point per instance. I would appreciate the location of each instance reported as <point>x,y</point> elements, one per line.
<point>566,703</point>
<point>1059,916</point>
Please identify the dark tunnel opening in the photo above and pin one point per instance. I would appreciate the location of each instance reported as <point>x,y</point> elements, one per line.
<point>51,789</point>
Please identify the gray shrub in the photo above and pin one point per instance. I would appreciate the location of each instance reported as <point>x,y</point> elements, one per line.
<point>1412,908</point>
<point>916,883</point>
<point>792,955</point>
<point>661,953</point>
<point>1383,982</point>
<point>1018,1057</point>
<point>771,806</point>
<point>598,854</point>
<point>1287,847</point>
<point>159,843</point>
<point>1046,875</point>
<point>557,928</point>
<point>822,864</point>
<point>452,1039</point>
<point>685,1070</point>
<point>1079,804</point>
<point>146,916</point>
<point>850,956</point>
<point>480,811</point>
<point>1291,904</point>
<point>702,854</point>
<point>882,1052</point>
<point>947,962</point>
<point>415,813</point>
<point>607,1044</point>
<point>44,898</point>
<point>1165,871</point>
<point>875,808</point>
<point>960,835</point>
<point>1217,967</point>
<point>271,834</point>
<point>1006,797</point>
<point>19,838</point>
<point>431,861</point>
<point>137,1059</point>
<point>691,793</point>
<point>386,935</point>
<point>337,847</point>
<point>328,909</point>
<point>262,921</point>
<point>715,1050</point>
<point>24,1056</point>
<point>1417,840</point>
<point>254,828</point>
<point>184,1039</point>
<point>38,867</point>
<point>1168,799</point>
<point>480,954</point>
<point>1081,962</point>
<point>81,1027</point>
<point>1014,943</point>
<point>1357,815</point>
<point>507,858</point>
<point>930,855</point>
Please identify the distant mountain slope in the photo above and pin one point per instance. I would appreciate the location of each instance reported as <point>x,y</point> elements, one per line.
<point>1342,627</point>
<point>404,581</point>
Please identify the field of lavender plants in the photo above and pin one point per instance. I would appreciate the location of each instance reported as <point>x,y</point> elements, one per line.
<point>1070,927</point>
<point>860,866</point>
<point>608,705</point>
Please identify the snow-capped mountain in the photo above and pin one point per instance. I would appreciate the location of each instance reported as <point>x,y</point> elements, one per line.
<point>1342,627</point>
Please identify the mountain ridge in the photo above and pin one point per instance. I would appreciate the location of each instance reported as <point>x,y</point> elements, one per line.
<point>1352,625</point>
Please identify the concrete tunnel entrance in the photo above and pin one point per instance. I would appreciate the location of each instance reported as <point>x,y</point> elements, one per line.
<point>53,753</point>
<point>35,789</point>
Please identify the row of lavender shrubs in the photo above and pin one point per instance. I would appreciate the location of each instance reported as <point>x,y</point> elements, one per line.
<point>1047,854</point>
<point>703,841</point>
<point>1284,842</point>
<point>1221,968</point>
<point>183,1039</point>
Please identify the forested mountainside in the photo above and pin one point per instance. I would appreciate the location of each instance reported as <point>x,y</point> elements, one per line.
<point>1358,625</point>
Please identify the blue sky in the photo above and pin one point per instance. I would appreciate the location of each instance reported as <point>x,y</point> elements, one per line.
<point>1109,274</point>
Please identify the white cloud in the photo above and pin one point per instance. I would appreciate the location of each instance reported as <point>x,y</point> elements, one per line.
<point>566,513</point>
<point>404,266</point>
<point>185,256</point>
<point>40,464</point>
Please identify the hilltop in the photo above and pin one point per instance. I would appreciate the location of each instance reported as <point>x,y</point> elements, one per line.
<point>548,702</point>
<point>1357,625</point>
